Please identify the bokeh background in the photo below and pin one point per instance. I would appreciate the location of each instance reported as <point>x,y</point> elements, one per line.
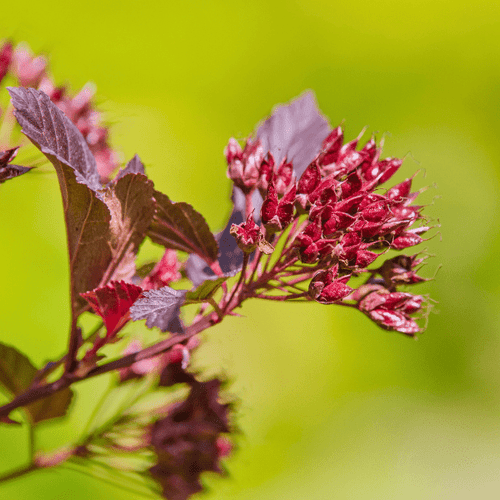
<point>331,407</point>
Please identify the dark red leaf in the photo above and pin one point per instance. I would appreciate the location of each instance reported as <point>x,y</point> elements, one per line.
<point>10,171</point>
<point>112,302</point>
<point>87,217</point>
<point>132,207</point>
<point>105,226</point>
<point>180,226</point>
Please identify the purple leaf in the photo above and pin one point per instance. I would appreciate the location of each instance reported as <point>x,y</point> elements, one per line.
<point>105,226</point>
<point>134,166</point>
<point>16,375</point>
<point>181,227</point>
<point>295,131</point>
<point>10,171</point>
<point>160,308</point>
<point>87,217</point>
<point>230,255</point>
<point>54,134</point>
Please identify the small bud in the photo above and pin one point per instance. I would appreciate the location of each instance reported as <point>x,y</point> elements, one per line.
<point>326,288</point>
<point>243,166</point>
<point>28,69</point>
<point>247,234</point>
<point>276,215</point>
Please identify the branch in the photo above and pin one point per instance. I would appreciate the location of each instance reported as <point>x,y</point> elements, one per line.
<point>36,393</point>
<point>19,472</point>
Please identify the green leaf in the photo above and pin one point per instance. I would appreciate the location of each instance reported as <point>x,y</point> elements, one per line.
<point>181,227</point>
<point>16,370</point>
<point>206,289</point>
<point>16,375</point>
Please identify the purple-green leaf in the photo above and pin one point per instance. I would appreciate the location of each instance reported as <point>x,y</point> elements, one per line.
<point>181,227</point>
<point>160,308</point>
<point>16,375</point>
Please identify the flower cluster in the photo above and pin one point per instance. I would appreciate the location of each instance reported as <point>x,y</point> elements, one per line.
<point>310,218</point>
<point>343,221</point>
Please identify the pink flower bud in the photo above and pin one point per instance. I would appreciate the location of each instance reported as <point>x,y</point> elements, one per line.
<point>5,59</point>
<point>28,70</point>
<point>243,166</point>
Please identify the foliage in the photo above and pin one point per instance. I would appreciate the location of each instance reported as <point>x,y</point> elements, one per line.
<point>309,220</point>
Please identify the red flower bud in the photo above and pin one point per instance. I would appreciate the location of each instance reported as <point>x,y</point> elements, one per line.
<point>276,215</point>
<point>247,234</point>
<point>326,288</point>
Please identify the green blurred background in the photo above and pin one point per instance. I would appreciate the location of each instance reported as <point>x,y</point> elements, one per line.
<point>330,405</point>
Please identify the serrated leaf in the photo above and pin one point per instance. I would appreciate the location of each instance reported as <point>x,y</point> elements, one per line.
<point>87,217</point>
<point>181,227</point>
<point>134,166</point>
<point>295,131</point>
<point>160,308</point>
<point>16,375</point>
<point>206,289</point>
<point>54,134</point>
<point>112,302</point>
<point>230,255</point>
<point>102,239</point>
<point>132,207</point>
